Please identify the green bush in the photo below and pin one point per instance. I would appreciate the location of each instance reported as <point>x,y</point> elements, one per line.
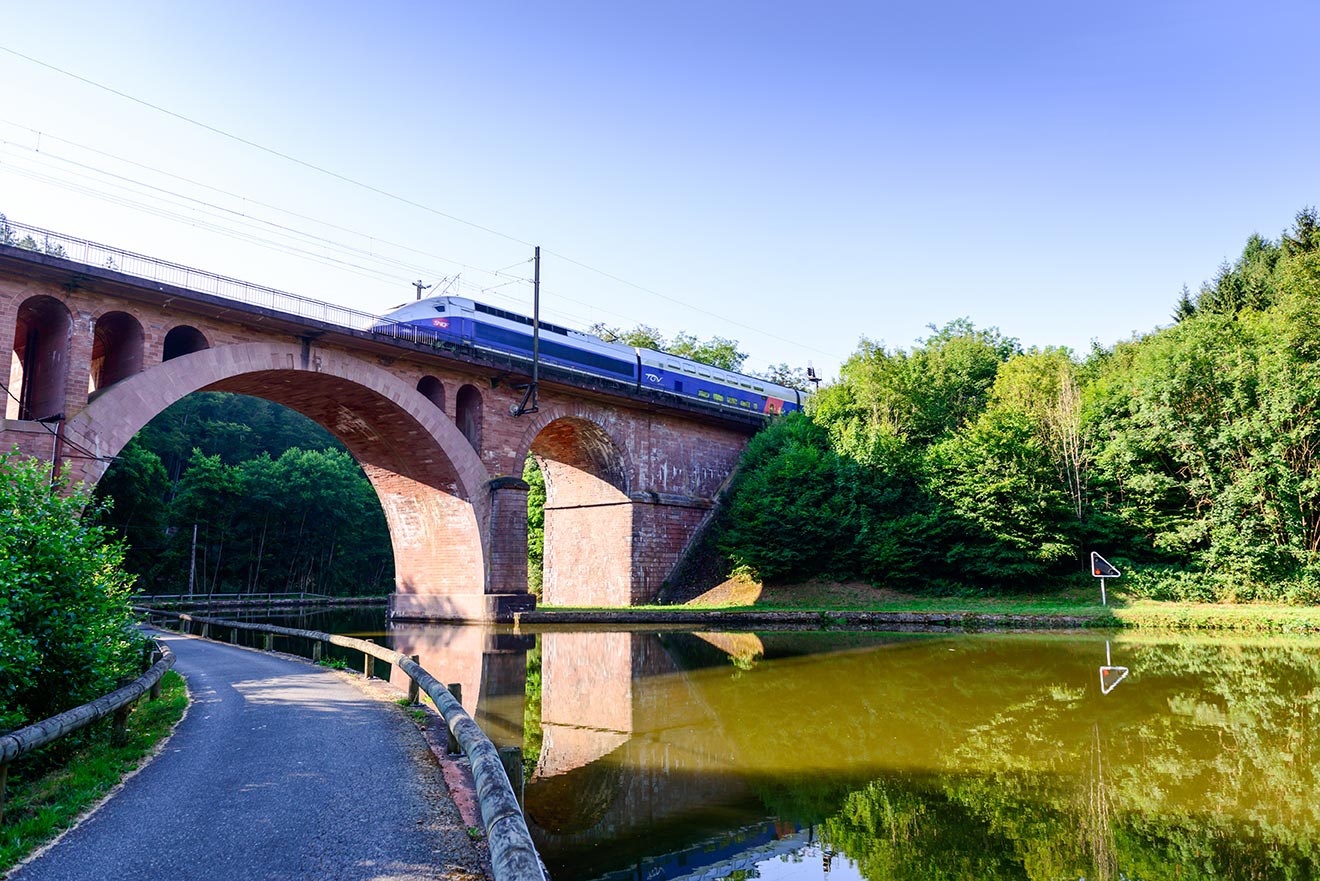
<point>66,629</point>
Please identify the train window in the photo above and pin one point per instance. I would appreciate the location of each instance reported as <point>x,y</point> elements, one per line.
<point>521,319</point>
<point>757,388</point>
<point>523,342</point>
<point>439,307</point>
<point>705,375</point>
<point>675,367</point>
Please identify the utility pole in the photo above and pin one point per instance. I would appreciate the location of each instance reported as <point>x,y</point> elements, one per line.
<point>192,569</point>
<point>528,403</point>
<point>421,287</point>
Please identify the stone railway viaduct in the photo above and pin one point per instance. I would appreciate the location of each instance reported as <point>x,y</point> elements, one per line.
<point>631,475</point>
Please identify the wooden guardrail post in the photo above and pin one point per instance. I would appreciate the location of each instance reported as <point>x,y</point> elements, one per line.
<point>316,651</point>
<point>233,636</point>
<point>119,726</point>
<point>4,776</point>
<point>154,655</point>
<point>511,757</point>
<point>270,642</point>
<point>457,691</point>
<point>414,690</point>
<point>367,663</point>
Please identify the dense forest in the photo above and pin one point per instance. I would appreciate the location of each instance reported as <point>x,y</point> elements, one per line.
<point>277,504</point>
<point>1189,453</point>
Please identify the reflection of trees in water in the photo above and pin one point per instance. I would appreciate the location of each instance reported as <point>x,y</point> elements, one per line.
<point>1204,771</point>
<point>532,712</point>
<point>988,758</point>
<point>1098,814</point>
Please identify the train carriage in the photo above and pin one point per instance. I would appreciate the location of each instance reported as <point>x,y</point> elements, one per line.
<point>467,322</point>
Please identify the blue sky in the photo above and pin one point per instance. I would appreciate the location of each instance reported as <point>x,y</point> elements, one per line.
<point>793,176</point>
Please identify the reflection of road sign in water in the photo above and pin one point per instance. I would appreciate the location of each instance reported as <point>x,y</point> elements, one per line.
<point>1110,676</point>
<point>1102,569</point>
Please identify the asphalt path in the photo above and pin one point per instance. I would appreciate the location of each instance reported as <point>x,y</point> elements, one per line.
<point>280,770</point>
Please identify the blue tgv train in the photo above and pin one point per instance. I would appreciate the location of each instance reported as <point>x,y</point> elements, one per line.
<point>464,321</point>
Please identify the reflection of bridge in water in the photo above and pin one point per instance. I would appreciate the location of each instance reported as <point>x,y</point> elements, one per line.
<point>630,754</point>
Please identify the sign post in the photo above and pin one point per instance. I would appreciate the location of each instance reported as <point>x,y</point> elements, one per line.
<point>1102,569</point>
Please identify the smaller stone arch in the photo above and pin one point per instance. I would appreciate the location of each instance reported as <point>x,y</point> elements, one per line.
<point>575,444</point>
<point>589,538</point>
<point>116,349</point>
<point>433,390</point>
<point>183,339</point>
<point>467,414</point>
<point>40,366</point>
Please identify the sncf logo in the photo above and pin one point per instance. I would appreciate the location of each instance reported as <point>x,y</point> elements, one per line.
<point>440,322</point>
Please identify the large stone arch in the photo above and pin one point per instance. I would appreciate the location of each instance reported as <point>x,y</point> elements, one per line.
<point>589,536</point>
<point>432,485</point>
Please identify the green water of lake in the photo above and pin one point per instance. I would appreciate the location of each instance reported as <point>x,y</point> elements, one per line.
<point>903,756</point>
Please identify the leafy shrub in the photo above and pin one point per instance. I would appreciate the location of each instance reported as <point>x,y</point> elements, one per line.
<point>66,629</point>
<point>799,510</point>
<point>783,515</point>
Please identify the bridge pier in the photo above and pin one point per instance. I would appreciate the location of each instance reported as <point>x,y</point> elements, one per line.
<point>617,554</point>
<point>505,577</point>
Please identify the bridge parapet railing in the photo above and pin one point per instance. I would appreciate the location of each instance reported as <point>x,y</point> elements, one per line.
<point>513,855</point>
<point>16,744</point>
<point>66,247</point>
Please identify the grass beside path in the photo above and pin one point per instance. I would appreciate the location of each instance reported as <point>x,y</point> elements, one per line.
<point>1122,611</point>
<point>43,801</point>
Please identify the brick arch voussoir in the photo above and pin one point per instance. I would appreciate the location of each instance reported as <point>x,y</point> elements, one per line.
<point>96,313</point>
<point>183,322</point>
<point>601,419</point>
<point>107,424</point>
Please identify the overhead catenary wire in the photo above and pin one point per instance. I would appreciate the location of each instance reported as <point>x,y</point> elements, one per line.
<point>268,150</point>
<point>194,221</point>
<point>245,199</point>
<point>397,197</point>
<point>125,183</point>
<point>324,259</point>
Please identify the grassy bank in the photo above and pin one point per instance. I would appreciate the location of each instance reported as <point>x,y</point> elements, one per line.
<point>43,799</point>
<point>1080,605</point>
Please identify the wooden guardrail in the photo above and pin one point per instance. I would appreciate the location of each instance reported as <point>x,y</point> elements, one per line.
<point>158,601</point>
<point>16,744</point>
<point>205,597</point>
<point>513,856</point>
